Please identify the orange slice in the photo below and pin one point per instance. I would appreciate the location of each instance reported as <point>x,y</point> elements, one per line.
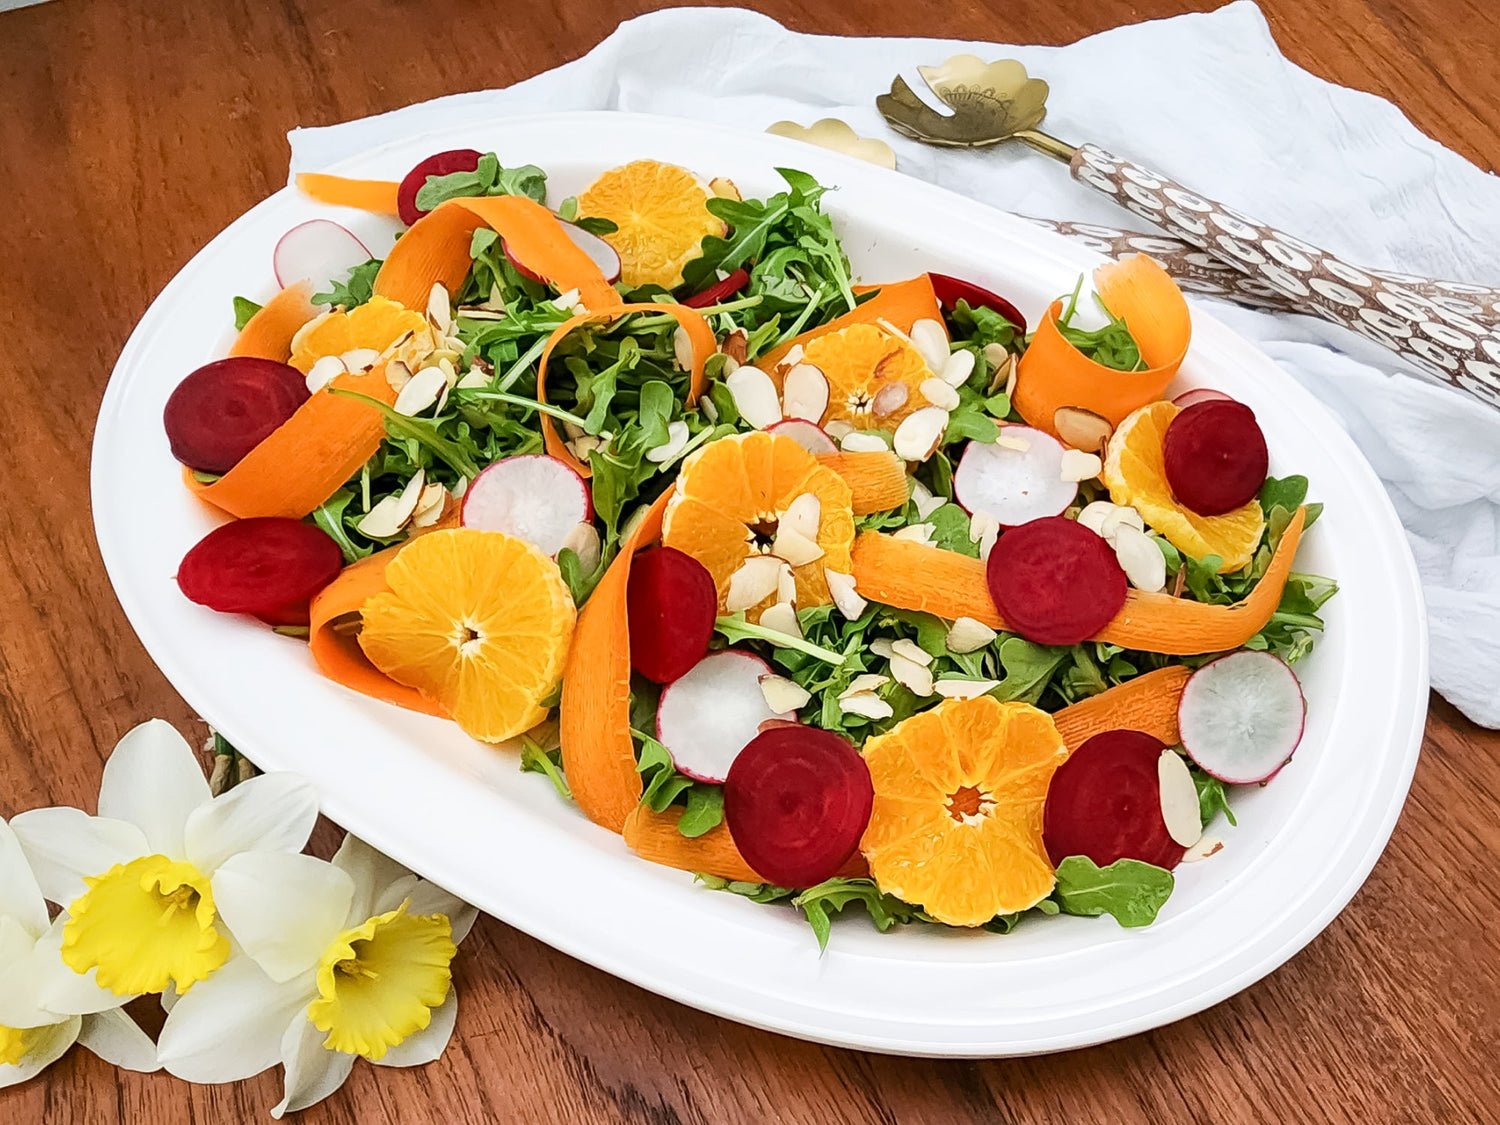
<point>863,365</point>
<point>956,827</point>
<point>376,324</point>
<point>730,499</point>
<point>661,212</point>
<point>1136,475</point>
<point>477,621</point>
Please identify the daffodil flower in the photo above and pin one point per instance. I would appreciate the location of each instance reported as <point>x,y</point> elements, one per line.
<point>137,882</point>
<point>32,1037</point>
<point>341,960</point>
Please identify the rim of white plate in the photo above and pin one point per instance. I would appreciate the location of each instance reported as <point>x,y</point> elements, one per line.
<point>460,814</point>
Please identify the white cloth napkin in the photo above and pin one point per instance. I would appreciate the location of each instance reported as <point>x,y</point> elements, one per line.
<point>1207,99</point>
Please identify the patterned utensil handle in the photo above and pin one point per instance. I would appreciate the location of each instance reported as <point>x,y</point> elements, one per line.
<point>1447,328</point>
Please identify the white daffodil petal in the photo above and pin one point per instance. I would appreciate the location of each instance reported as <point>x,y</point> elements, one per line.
<point>312,1070</point>
<point>20,999</point>
<point>20,897</point>
<point>230,1025</point>
<point>372,873</point>
<point>59,987</point>
<point>274,812</point>
<point>152,779</point>
<point>429,898</point>
<point>284,910</point>
<point>63,845</point>
<point>48,1045</point>
<point>427,1045</point>
<point>392,896</point>
<point>118,1040</point>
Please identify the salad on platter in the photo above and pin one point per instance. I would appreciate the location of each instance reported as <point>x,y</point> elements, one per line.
<point>828,591</point>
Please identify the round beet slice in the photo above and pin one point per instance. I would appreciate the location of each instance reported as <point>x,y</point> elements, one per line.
<point>1054,581</point>
<point>226,408</point>
<point>262,566</point>
<point>797,801</point>
<point>671,604</point>
<point>1105,803</point>
<point>1215,456</point>
<point>300,613</point>
<point>438,164</point>
<point>951,290</point>
<point>719,291</point>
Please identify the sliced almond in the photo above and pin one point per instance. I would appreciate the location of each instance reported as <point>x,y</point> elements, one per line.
<point>889,399</point>
<point>710,411</point>
<point>389,515</point>
<point>802,515</point>
<point>360,359</point>
<point>566,301</point>
<point>1093,515</point>
<point>754,396</point>
<point>957,368</point>
<point>866,682</point>
<point>804,393</point>
<point>323,372</point>
<point>866,703</point>
<point>1121,516</point>
<point>397,374</point>
<point>931,339</point>
<point>1140,558</point>
<point>995,354</point>
<point>939,393</point>
<point>783,618</point>
<point>472,380</point>
<point>920,433</point>
<point>1179,799</point>
<point>845,598</point>
<point>968,635</point>
<point>783,695</point>
<point>430,505</point>
<point>916,532</point>
<point>786,586</point>
<point>964,689</point>
<point>1082,429</point>
<point>677,438</point>
<point>1010,441</point>
<point>881,646</point>
<point>857,441</point>
<point>838,429</point>
<point>752,583</point>
<point>439,308</point>
<point>793,356</point>
<point>911,651</point>
<point>584,445</point>
<point>1078,465</point>
<point>1205,847</point>
<point>924,499</point>
<point>736,348</point>
<point>795,547</point>
<point>984,529</point>
<point>583,541</point>
<point>573,429</point>
<point>461,485</point>
<point>724,188</point>
<point>682,348</point>
<point>450,373</point>
<point>421,391</point>
<point>1003,377</point>
<point>916,678</point>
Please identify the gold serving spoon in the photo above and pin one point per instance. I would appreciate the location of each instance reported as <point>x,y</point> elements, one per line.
<point>1451,329</point>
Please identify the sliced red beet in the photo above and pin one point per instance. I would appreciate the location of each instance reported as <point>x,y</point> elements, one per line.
<point>1105,803</point>
<point>226,408</point>
<point>1054,581</point>
<point>1215,456</point>
<point>671,604</point>
<point>718,291</point>
<point>438,164</point>
<point>797,801</point>
<point>261,565</point>
<point>951,290</point>
<point>299,613</point>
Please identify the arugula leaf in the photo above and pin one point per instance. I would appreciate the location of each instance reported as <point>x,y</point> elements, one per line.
<point>834,894</point>
<point>705,809</point>
<point>1005,923</point>
<point>734,627</point>
<point>1128,889</point>
<point>329,515</point>
<point>1212,799</point>
<point>549,762</point>
<point>755,892</point>
<point>244,309</point>
<point>354,290</point>
<point>489,178</point>
<point>1028,669</point>
<point>1111,346</point>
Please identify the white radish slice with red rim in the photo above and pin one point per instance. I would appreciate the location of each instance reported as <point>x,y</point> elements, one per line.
<point>1197,395</point>
<point>1012,484</point>
<point>319,251</point>
<point>706,717</point>
<point>1242,716</point>
<point>602,253</point>
<point>533,497</point>
<point>805,434</point>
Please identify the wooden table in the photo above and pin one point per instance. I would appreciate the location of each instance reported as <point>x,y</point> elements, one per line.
<point>133,130</point>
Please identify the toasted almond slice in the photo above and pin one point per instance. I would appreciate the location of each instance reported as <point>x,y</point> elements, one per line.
<point>838,429</point>
<point>1078,465</point>
<point>736,348</point>
<point>982,524</point>
<point>786,587</point>
<point>1010,441</point>
<point>911,651</point>
<point>754,396</point>
<point>920,433</point>
<point>1003,377</point>
<point>677,438</point>
<point>710,411</point>
<point>724,189</point>
<point>931,339</point>
<point>953,688</point>
<point>389,515</point>
<point>916,678</point>
<point>450,373</point>
<point>925,501</point>
<point>1082,429</point>
<point>1205,847</point>
<point>584,542</point>
<point>881,646</point>
<point>431,505</point>
<point>857,441</point>
<point>682,348</point>
<point>938,392</point>
<point>793,356</point>
<point>1121,516</point>
<point>795,547</point>
<point>360,359</point>
<point>968,635</point>
<point>752,583</point>
<point>323,372</point>
<point>584,445</point>
<point>1093,515</point>
<point>995,354</point>
<point>472,379</point>
<point>461,485</point>
<point>397,374</point>
<point>1179,799</point>
<point>439,308</point>
<point>783,618</point>
<point>804,393</point>
<point>845,598</point>
<point>866,703</point>
<point>802,515</point>
<point>421,391</point>
<point>1140,558</point>
<point>566,301</point>
<point>916,532</point>
<point>783,695</point>
<point>957,368</point>
<point>865,682</point>
<point>889,399</point>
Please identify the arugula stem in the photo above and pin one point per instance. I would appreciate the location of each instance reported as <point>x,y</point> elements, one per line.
<point>423,433</point>
<point>1301,620</point>
<point>737,629</point>
<point>517,369</point>
<point>661,320</point>
<point>532,404</point>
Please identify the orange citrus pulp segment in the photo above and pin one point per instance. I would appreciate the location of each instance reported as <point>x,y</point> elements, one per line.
<point>730,497</point>
<point>661,215</point>
<point>956,827</point>
<point>859,362</point>
<point>1136,474</point>
<point>477,621</point>
<point>376,324</point>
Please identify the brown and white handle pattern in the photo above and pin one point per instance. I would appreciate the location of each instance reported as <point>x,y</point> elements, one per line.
<point>1450,329</point>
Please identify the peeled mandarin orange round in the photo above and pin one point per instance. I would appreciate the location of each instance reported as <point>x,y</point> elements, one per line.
<point>956,826</point>
<point>477,621</point>
<point>732,503</point>
<point>874,378</point>
<point>661,215</point>
<point>1136,473</point>
<point>376,324</point>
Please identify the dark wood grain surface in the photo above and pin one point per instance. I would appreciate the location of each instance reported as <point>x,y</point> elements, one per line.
<point>131,131</point>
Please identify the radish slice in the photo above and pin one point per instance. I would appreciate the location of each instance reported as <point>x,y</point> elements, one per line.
<point>797,802</point>
<point>319,251</point>
<point>1242,716</point>
<point>706,717</point>
<point>951,290</point>
<point>1015,485</point>
<point>1105,803</point>
<point>226,408</point>
<point>261,565</point>
<point>439,164</point>
<point>1054,581</point>
<point>1215,456</point>
<point>719,291</point>
<point>533,497</point>
<point>602,253</point>
<point>1197,395</point>
<point>671,605</point>
<point>809,436</point>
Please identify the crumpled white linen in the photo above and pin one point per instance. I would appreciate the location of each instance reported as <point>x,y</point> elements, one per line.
<point>1207,99</point>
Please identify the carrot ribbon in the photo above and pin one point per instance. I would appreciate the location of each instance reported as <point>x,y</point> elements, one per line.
<point>653,836</point>
<point>1147,703</point>
<point>268,334</point>
<point>901,303</point>
<point>376,196</point>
